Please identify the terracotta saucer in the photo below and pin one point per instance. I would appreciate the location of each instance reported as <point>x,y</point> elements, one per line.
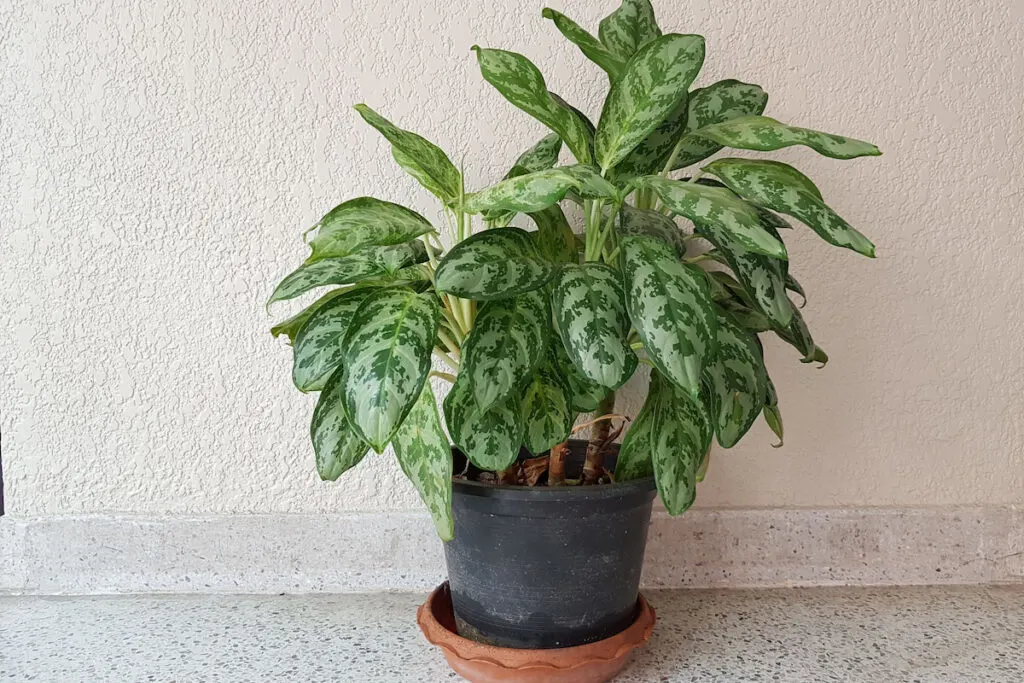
<point>479,663</point>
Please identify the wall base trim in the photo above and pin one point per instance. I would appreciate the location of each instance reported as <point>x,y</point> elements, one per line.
<point>388,551</point>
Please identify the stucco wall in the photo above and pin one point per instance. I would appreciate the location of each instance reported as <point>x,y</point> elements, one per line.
<point>159,161</point>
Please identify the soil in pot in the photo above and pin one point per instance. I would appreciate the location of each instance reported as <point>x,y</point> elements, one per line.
<point>547,567</point>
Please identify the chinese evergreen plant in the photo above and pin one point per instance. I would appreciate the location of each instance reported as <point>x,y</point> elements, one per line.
<point>678,273</point>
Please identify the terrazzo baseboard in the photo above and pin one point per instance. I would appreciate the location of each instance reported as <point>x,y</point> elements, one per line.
<point>98,554</point>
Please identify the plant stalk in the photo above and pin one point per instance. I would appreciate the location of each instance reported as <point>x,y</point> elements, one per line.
<point>556,464</point>
<point>594,465</point>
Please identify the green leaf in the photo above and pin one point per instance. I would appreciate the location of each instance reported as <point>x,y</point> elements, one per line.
<point>337,446</point>
<point>362,222</point>
<point>422,159</point>
<point>367,263</point>
<point>547,409</point>
<point>554,238</point>
<point>495,264</point>
<point>780,187</point>
<point>670,306</point>
<point>505,346</point>
<point>319,346</point>
<point>426,459</point>
<point>634,221</point>
<point>764,134</point>
<point>717,205</point>
<point>762,277</point>
<point>772,416</point>
<point>731,297</point>
<point>541,156</point>
<point>794,286</point>
<point>387,359</point>
<point>654,82</point>
<point>585,394</point>
<point>590,308</point>
<point>594,49</point>
<point>522,84</point>
<point>651,155</point>
<point>669,438</point>
<point>489,438</point>
<point>738,382</point>
<point>799,337</point>
<point>525,193</point>
<point>629,28</point>
<point>292,325</point>
<point>591,184</point>
<point>717,103</point>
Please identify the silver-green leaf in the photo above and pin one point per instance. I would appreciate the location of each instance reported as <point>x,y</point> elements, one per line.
<point>367,263</point>
<point>717,103</point>
<point>337,446</point>
<point>738,381</point>
<point>489,438</point>
<point>522,84</point>
<point>634,221</point>
<point>594,49</point>
<point>426,459</point>
<point>422,159</point>
<point>717,205</point>
<point>547,409</point>
<point>362,222</point>
<point>765,134</point>
<point>585,394</point>
<point>590,308</point>
<point>772,415</point>
<point>292,325</point>
<point>319,346</point>
<point>541,156</point>
<point>656,79</point>
<point>507,343</point>
<point>495,264</point>
<point>554,238</point>
<point>670,306</point>
<point>653,152</point>
<point>780,187</point>
<point>387,359</point>
<point>629,28</point>
<point>524,193</point>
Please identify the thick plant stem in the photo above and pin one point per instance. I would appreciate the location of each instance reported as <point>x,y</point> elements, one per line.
<point>594,465</point>
<point>556,464</point>
<point>509,476</point>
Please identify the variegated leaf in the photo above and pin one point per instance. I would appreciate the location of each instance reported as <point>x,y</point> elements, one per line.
<point>670,306</point>
<point>547,409</point>
<point>337,446</point>
<point>426,459</point>
<point>780,187</point>
<point>731,297</point>
<point>495,264</point>
<point>507,343</point>
<point>525,193</point>
<point>629,28</point>
<point>319,346</point>
<point>522,84</point>
<point>554,238</point>
<point>799,337</point>
<point>541,156</point>
<point>794,286</point>
<point>362,222</point>
<point>422,159</point>
<point>638,445</point>
<point>738,381</point>
<point>387,358</point>
<point>591,184</point>
<point>651,155</point>
<point>594,49</point>
<point>367,263</point>
<point>634,221</point>
<point>292,325</point>
<point>718,102</point>
<point>489,438</point>
<point>762,277</point>
<point>590,308</point>
<point>706,205</point>
<point>764,134</point>
<point>585,394</point>
<point>772,415</point>
<point>656,79</point>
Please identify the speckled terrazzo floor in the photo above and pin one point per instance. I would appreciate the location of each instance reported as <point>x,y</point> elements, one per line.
<point>957,634</point>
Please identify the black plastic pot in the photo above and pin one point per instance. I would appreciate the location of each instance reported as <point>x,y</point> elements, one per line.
<point>545,567</point>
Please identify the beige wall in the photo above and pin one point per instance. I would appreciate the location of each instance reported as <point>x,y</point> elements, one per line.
<point>159,161</point>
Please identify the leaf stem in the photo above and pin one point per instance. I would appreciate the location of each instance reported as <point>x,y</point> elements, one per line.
<point>443,375</point>
<point>453,347</point>
<point>452,363</point>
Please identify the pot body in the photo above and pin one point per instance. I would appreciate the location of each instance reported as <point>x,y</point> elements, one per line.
<point>547,567</point>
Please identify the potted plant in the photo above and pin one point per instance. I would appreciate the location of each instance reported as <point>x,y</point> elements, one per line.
<point>676,263</point>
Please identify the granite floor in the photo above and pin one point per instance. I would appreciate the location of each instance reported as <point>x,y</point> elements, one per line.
<point>876,635</point>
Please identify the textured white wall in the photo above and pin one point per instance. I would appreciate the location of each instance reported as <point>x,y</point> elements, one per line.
<point>159,161</point>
